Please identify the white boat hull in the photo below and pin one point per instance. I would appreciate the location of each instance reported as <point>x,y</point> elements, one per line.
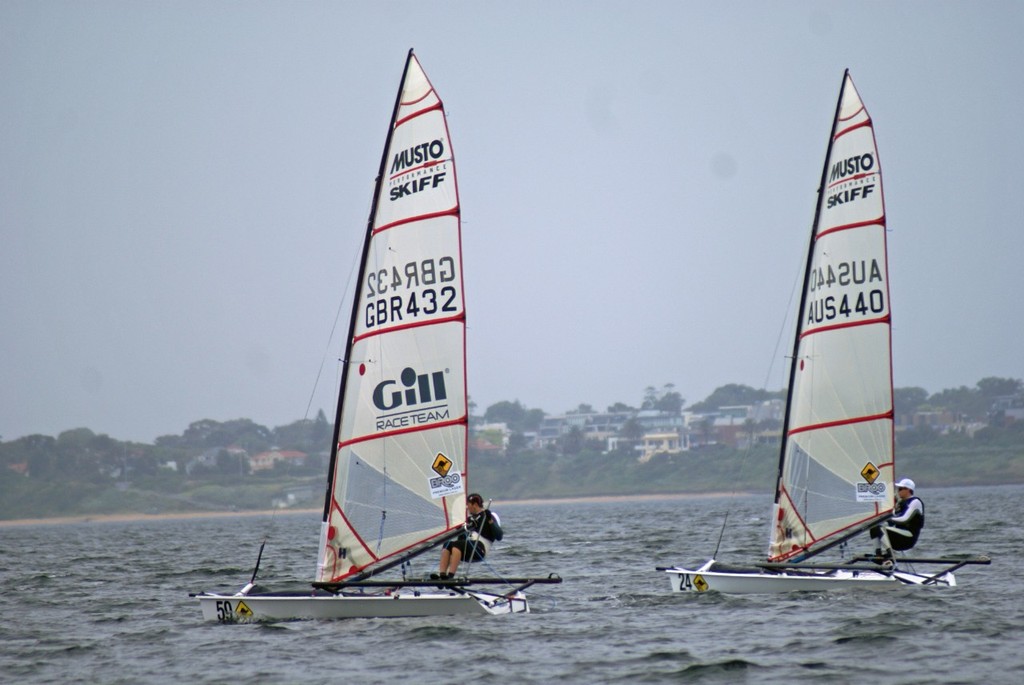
<point>771,581</point>
<point>404,602</point>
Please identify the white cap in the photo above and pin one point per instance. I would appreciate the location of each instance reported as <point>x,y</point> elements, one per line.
<point>905,483</point>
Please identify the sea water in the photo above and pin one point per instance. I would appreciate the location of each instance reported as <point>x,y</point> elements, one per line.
<point>108,602</point>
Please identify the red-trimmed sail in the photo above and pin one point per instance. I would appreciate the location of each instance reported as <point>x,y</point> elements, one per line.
<point>836,461</point>
<point>398,472</point>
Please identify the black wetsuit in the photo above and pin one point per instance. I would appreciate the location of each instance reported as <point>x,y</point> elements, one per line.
<point>910,520</point>
<point>487,526</point>
<point>906,517</point>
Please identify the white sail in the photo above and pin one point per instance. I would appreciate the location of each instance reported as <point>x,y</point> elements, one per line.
<point>399,462</point>
<point>836,463</point>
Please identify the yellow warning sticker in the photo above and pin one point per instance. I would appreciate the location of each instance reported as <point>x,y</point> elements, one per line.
<point>242,610</point>
<point>870,472</point>
<point>442,465</point>
<point>699,583</point>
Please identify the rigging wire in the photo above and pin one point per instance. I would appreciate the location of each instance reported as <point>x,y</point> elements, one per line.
<point>486,562</point>
<point>334,327</point>
<point>764,386</point>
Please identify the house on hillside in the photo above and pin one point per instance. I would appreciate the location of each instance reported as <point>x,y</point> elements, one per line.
<point>1006,410</point>
<point>495,434</point>
<point>209,458</point>
<point>669,442</point>
<point>591,425</point>
<point>482,446</point>
<point>265,461</point>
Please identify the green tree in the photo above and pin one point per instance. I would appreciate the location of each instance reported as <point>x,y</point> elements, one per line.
<point>509,413</point>
<point>907,400</point>
<point>516,441</point>
<point>38,451</point>
<point>671,402</point>
<point>962,402</point>
<point>992,387</point>
<point>534,417</point>
<point>572,442</point>
<point>305,435</point>
<point>244,433</point>
<point>734,394</point>
<point>514,415</point>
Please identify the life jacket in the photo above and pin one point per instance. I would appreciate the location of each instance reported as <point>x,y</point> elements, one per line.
<point>913,525</point>
<point>484,529</point>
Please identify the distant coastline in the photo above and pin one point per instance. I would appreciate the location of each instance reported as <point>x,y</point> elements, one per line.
<point>171,516</point>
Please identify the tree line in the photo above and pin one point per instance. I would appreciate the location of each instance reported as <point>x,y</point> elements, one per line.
<point>99,461</point>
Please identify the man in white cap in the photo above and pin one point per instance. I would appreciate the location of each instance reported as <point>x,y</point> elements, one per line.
<point>903,529</point>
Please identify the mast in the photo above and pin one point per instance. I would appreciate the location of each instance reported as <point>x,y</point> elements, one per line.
<point>359,280</point>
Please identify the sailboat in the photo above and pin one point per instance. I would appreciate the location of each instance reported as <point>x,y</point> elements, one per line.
<point>836,471</point>
<point>396,482</point>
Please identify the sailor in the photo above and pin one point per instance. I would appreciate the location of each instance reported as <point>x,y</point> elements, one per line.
<point>902,530</point>
<point>483,527</point>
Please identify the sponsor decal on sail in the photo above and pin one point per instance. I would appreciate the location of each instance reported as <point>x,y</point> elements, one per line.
<point>416,169</point>
<point>872,489</point>
<point>852,179</point>
<point>444,483</point>
<point>851,166</point>
<point>413,400</point>
<point>441,465</point>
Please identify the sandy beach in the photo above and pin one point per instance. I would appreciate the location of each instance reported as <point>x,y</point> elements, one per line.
<point>113,518</point>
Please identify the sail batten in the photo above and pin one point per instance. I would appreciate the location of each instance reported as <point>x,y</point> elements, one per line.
<point>395,433</point>
<point>853,128</point>
<point>397,482</point>
<point>402,222</point>
<point>836,459</point>
<point>887,416</point>
<point>370,334</point>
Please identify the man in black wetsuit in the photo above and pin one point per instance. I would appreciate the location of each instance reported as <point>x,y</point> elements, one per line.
<point>904,528</point>
<point>482,528</point>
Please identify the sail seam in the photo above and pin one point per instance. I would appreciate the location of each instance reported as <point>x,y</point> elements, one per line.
<point>844,422</point>
<point>845,227</point>
<point>853,324</point>
<point>454,211</point>
<point>853,128</point>
<point>369,334</point>
<point>414,429</point>
<point>432,108</point>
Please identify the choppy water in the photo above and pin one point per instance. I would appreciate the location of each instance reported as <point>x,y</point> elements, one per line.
<point>108,603</point>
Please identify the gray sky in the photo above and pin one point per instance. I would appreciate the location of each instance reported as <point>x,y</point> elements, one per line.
<point>184,186</point>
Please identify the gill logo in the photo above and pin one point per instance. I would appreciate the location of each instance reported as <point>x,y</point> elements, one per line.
<point>418,388</point>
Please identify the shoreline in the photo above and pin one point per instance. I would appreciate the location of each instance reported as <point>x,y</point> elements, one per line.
<point>171,516</point>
